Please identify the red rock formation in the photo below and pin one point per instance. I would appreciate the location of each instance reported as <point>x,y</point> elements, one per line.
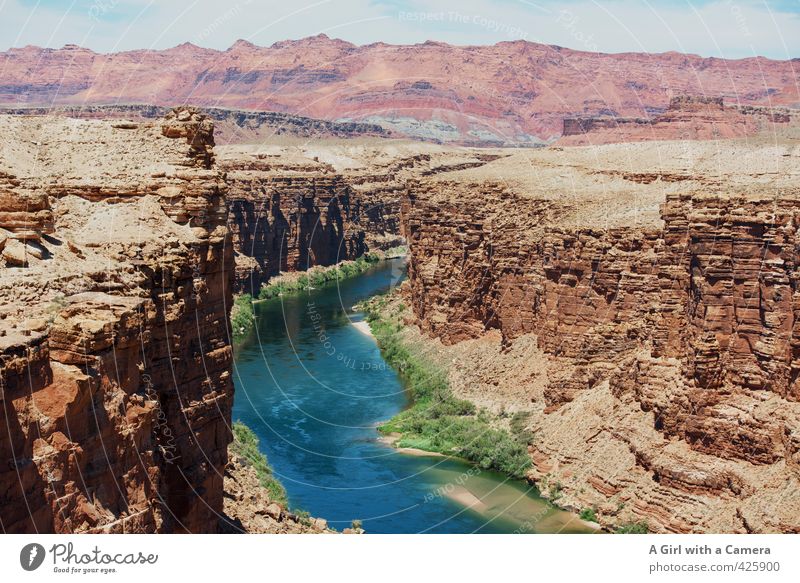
<point>291,208</point>
<point>692,320</point>
<point>511,92</point>
<point>114,354</point>
<point>686,118</point>
<point>289,218</point>
<point>713,288</point>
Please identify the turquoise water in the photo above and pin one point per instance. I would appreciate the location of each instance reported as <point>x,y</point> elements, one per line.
<point>313,387</point>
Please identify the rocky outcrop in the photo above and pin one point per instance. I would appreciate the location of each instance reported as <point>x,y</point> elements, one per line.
<point>231,126</point>
<point>249,509</point>
<point>115,363</point>
<point>687,118</point>
<point>298,206</point>
<point>669,351</point>
<point>286,217</point>
<point>514,93</point>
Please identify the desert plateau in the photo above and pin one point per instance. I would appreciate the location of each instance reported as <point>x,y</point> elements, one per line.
<point>322,287</point>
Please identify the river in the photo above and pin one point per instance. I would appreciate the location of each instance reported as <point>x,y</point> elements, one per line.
<point>313,388</point>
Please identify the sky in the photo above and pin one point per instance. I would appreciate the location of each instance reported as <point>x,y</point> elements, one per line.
<point>720,28</point>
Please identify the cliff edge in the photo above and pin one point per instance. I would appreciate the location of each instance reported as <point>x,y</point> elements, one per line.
<point>115,360</point>
<point>638,304</point>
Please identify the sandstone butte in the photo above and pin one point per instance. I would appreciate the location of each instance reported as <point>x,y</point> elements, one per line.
<point>508,93</point>
<point>636,300</point>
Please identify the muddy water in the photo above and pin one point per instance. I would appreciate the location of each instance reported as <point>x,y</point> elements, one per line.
<point>313,386</point>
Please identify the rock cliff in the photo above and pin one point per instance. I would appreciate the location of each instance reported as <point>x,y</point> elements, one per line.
<point>658,361</point>
<point>687,118</point>
<point>288,215</point>
<point>297,205</point>
<point>115,363</point>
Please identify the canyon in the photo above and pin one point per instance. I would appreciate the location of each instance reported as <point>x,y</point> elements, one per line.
<point>118,275</point>
<point>122,244</point>
<point>637,302</point>
<point>295,204</point>
<point>511,93</point>
<point>633,301</point>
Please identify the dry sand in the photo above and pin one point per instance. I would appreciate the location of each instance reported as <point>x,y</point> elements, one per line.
<point>392,440</point>
<point>364,328</point>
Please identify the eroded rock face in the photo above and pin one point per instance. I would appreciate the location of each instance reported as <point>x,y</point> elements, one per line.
<point>296,206</point>
<point>114,353</point>
<point>249,509</point>
<point>683,332</point>
<point>688,117</point>
<point>289,217</point>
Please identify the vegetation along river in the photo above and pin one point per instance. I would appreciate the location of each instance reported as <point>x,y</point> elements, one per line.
<point>313,387</point>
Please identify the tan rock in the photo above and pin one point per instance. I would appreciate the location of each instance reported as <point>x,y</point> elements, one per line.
<point>274,511</point>
<point>85,356</point>
<point>656,353</point>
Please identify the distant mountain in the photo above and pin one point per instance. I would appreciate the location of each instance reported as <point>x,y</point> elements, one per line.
<point>512,92</point>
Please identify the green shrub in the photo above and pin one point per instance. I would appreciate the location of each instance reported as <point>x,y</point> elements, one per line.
<point>59,303</point>
<point>273,290</point>
<point>519,424</point>
<point>393,252</point>
<point>303,517</point>
<point>245,445</point>
<point>437,421</point>
<point>356,525</point>
<point>588,514</point>
<point>633,528</point>
<point>243,316</point>
<point>317,277</point>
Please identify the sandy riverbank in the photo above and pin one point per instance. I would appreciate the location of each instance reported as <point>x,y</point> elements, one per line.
<point>392,439</point>
<point>364,328</point>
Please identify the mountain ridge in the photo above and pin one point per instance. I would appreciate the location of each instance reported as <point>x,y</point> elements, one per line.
<point>509,93</point>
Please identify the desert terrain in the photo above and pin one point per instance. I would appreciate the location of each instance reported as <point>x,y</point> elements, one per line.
<point>636,301</point>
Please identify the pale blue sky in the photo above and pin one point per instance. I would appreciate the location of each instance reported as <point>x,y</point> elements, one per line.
<point>723,28</point>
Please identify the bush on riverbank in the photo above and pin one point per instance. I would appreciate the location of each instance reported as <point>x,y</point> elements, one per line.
<point>589,514</point>
<point>633,528</point>
<point>245,444</point>
<point>243,316</point>
<point>438,421</point>
<point>317,276</point>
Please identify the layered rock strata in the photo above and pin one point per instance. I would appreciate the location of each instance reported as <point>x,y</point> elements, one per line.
<point>687,117</point>
<point>513,93</point>
<point>297,206</point>
<point>231,126</point>
<point>664,383</point>
<point>288,217</point>
<point>115,361</point>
